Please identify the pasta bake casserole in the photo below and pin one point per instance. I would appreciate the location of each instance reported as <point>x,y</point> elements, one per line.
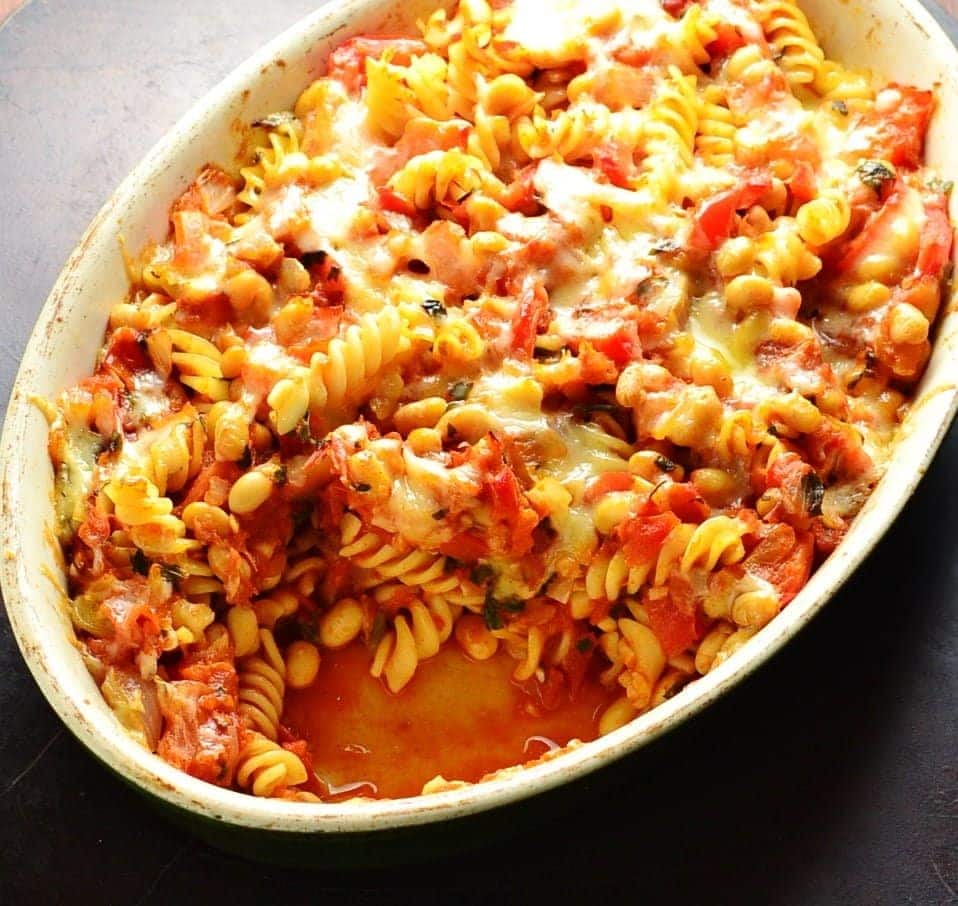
<point>574,336</point>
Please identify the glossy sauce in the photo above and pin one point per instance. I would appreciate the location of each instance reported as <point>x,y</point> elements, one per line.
<point>457,718</point>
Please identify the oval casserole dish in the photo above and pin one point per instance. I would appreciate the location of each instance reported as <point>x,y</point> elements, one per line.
<point>898,39</point>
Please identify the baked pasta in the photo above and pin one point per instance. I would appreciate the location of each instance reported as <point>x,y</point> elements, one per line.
<point>578,334</point>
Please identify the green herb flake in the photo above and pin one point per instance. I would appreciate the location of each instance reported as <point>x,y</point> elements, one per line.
<point>139,562</point>
<point>301,517</point>
<point>280,476</point>
<point>584,645</point>
<point>665,464</point>
<point>170,573</point>
<point>434,308</point>
<point>813,493</point>
<point>277,119</point>
<point>665,247</point>
<point>460,390</point>
<point>840,107</point>
<point>303,432</point>
<point>378,629</point>
<point>875,173</point>
<point>941,185</point>
<point>309,630</point>
<point>490,613</point>
<point>481,573</point>
<point>362,488</point>
<point>494,608</point>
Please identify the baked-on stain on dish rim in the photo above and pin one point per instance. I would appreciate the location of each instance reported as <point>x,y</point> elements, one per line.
<point>909,46</point>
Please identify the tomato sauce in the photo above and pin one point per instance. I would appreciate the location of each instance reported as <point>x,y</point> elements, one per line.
<point>457,718</point>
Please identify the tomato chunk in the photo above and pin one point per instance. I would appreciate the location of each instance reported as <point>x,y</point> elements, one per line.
<point>727,40</point>
<point>716,217</point>
<point>898,129</point>
<point>531,317</point>
<point>674,618</point>
<point>347,63</point>
<point>783,558</point>
<point>876,231</point>
<point>934,248</point>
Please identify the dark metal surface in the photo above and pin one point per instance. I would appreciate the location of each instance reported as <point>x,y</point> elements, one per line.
<point>830,776</point>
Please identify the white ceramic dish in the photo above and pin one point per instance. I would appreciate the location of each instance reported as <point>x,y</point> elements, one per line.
<point>896,38</point>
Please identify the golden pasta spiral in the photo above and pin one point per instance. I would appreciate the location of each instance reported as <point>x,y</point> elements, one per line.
<point>262,681</point>
<point>266,769</point>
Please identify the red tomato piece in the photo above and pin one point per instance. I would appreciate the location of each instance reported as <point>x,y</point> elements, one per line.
<point>616,339</point>
<point>347,63</point>
<point>835,450</point>
<point>802,183</point>
<point>125,355</point>
<point>727,40</point>
<point>783,558</point>
<point>531,317</point>
<point>674,618</point>
<point>875,231</point>
<point>674,8</point>
<point>716,216</point>
<point>642,536</point>
<point>683,499</point>
<point>520,194</point>
<point>606,483</point>
<point>392,201</point>
<point>934,248</point>
<point>898,133</point>
<point>615,161</point>
<point>201,726</point>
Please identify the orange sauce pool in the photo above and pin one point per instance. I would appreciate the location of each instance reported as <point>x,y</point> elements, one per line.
<point>457,718</point>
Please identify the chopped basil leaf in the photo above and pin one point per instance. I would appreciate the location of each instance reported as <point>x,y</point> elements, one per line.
<point>481,573</point>
<point>490,613</point>
<point>379,629</point>
<point>139,562</point>
<point>874,173</point>
<point>813,492</point>
<point>434,308</point>
<point>275,120</point>
<point>584,645</point>
<point>941,185</point>
<point>665,247</point>
<point>302,430</point>
<point>280,476</point>
<point>665,464</point>
<point>493,610</point>
<point>460,390</point>
<point>170,573</point>
<point>313,258</point>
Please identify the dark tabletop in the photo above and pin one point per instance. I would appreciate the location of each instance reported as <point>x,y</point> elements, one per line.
<point>830,776</point>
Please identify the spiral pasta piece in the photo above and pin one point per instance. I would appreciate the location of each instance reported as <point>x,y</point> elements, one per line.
<point>266,769</point>
<point>341,377</point>
<point>410,640</point>
<point>790,35</point>
<point>824,219</point>
<point>715,138</point>
<point>262,681</point>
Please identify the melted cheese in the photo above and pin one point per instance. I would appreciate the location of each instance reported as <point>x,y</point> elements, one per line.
<point>710,326</point>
